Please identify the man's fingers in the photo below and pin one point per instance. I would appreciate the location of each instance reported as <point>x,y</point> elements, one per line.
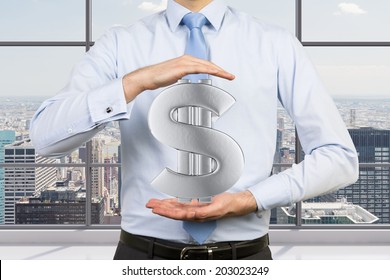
<point>154,203</point>
<point>173,209</point>
<point>175,213</point>
<point>222,205</point>
<point>167,73</point>
<point>196,66</point>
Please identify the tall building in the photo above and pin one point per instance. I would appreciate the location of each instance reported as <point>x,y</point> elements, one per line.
<point>83,153</point>
<point>279,145</point>
<point>119,177</point>
<point>6,137</point>
<point>108,173</point>
<point>111,185</point>
<point>97,182</point>
<point>20,182</point>
<point>60,204</point>
<point>372,189</point>
<point>96,172</point>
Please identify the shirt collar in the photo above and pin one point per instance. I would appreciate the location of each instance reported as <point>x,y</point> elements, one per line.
<point>214,12</point>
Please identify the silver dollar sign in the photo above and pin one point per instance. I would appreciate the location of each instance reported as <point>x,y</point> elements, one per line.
<point>209,161</point>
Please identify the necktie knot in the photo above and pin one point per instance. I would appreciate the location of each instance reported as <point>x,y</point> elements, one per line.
<point>194,20</point>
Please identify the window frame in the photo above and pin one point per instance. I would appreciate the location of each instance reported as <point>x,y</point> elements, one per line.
<point>88,165</point>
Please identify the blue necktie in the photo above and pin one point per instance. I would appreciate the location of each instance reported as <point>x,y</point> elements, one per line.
<point>196,46</point>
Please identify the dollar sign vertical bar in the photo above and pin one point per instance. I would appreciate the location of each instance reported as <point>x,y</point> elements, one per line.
<point>191,163</point>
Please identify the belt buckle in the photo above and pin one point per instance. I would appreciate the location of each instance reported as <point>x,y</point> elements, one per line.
<point>185,250</point>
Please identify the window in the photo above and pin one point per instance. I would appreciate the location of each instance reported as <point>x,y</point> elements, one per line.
<point>29,20</point>
<point>44,70</point>
<point>340,21</point>
<point>347,42</point>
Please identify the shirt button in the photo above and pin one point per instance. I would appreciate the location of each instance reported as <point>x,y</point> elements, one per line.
<point>70,130</point>
<point>108,110</point>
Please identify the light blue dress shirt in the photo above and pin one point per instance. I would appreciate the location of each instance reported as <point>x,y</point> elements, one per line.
<point>269,64</point>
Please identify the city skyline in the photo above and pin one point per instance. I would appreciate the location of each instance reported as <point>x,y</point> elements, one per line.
<point>357,113</point>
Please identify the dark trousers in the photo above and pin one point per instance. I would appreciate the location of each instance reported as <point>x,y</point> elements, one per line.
<point>124,252</point>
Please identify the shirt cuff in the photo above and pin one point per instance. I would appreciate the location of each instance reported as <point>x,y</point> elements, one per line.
<point>271,193</point>
<point>107,103</point>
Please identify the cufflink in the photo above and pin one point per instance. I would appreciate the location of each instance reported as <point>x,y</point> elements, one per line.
<point>108,110</point>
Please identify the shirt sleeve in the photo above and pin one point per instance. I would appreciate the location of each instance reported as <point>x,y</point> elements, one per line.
<point>330,157</point>
<point>92,98</point>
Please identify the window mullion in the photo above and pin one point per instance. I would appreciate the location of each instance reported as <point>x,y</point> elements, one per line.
<point>298,19</point>
<point>88,183</point>
<point>88,24</point>
<point>298,147</point>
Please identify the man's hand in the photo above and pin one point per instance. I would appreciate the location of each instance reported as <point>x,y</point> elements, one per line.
<point>222,205</point>
<point>167,73</point>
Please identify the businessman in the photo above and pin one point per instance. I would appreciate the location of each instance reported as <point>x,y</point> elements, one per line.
<point>258,64</point>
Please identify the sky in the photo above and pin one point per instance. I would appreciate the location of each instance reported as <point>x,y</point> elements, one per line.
<point>347,71</point>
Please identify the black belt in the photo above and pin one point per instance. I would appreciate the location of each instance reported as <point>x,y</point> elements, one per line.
<point>174,251</point>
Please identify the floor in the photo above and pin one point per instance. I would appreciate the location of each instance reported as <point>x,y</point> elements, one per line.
<point>105,252</point>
